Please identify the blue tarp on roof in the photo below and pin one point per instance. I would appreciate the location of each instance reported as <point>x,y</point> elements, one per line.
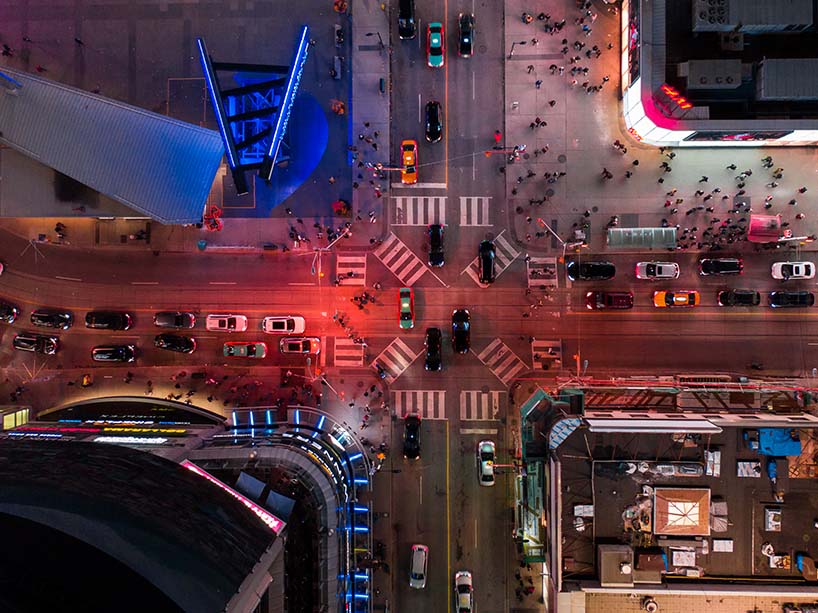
<point>156,165</point>
<point>778,442</point>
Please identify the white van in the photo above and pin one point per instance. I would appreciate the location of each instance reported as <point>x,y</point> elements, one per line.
<point>417,566</point>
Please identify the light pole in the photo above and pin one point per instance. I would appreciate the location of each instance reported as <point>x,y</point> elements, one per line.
<point>517,42</point>
<point>380,40</point>
<point>320,250</point>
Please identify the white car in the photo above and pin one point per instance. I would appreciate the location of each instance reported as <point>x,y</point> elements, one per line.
<point>657,270</point>
<point>793,270</point>
<point>485,462</point>
<point>417,566</point>
<point>289,324</point>
<point>463,592</point>
<point>226,323</point>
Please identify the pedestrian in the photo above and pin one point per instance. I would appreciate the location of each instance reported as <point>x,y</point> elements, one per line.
<point>538,83</point>
<point>803,189</point>
<point>635,162</point>
<point>332,180</point>
<point>628,174</point>
<point>79,41</point>
<point>704,179</point>
<point>552,103</point>
<point>699,192</point>
<point>793,202</point>
<point>530,68</point>
<point>731,167</point>
<point>498,136</point>
<point>800,216</point>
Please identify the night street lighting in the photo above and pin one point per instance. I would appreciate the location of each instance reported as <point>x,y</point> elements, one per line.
<point>380,40</point>
<point>519,42</point>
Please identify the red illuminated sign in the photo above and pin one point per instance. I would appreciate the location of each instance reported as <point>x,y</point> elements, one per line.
<point>635,135</point>
<point>674,95</point>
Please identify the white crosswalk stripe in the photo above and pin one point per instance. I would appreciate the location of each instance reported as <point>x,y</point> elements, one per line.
<point>502,361</point>
<point>505,254</point>
<point>546,354</point>
<point>348,353</point>
<point>400,260</point>
<point>542,271</point>
<point>419,210</point>
<point>429,404</point>
<point>474,211</point>
<point>355,264</point>
<point>396,358</point>
<point>480,406</point>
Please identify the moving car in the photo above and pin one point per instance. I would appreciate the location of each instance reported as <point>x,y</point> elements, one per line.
<point>436,245</point>
<point>434,349</point>
<point>300,344</point>
<point>406,316</point>
<point>226,323</point>
<point>411,436</point>
<point>678,298</point>
<point>434,122</point>
<point>608,300</point>
<point>485,462</point>
<point>417,566</point>
<point>38,343</point>
<point>409,156</point>
<point>791,299</point>
<point>50,318</point>
<point>406,19</point>
<point>245,350</point>
<point>288,324</point>
<point>114,353</point>
<point>108,320</point>
<point>657,270</point>
<point>174,319</point>
<point>589,271</point>
<point>465,25</point>
<point>739,297</point>
<point>793,270</point>
<point>8,313</point>
<point>174,342</point>
<point>434,44</point>
<point>721,266</point>
<point>486,257</point>
<point>461,330</point>
<point>463,592</point>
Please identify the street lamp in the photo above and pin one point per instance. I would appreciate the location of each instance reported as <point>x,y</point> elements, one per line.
<point>517,42</point>
<point>319,250</point>
<point>380,40</point>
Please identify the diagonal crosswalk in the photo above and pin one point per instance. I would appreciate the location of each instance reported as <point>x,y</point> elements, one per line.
<point>505,254</point>
<point>478,405</point>
<point>400,260</point>
<point>429,404</point>
<point>350,269</point>
<point>474,211</point>
<point>502,361</point>
<point>395,359</point>
<point>542,272</point>
<point>419,210</point>
<point>546,354</point>
<point>347,353</point>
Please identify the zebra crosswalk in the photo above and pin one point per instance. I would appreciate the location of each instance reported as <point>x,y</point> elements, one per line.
<point>347,353</point>
<point>546,354</point>
<point>502,361</point>
<point>474,211</point>
<point>350,269</point>
<point>505,254</point>
<point>396,358</point>
<point>419,210</point>
<point>429,404</point>
<point>542,272</point>
<point>400,260</point>
<point>478,405</point>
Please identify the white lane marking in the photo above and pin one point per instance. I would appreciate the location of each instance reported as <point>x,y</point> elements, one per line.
<point>144,282</point>
<point>478,430</point>
<point>222,283</point>
<point>475,534</point>
<point>67,278</point>
<point>420,104</point>
<point>421,490</point>
<point>310,284</point>
<point>398,185</point>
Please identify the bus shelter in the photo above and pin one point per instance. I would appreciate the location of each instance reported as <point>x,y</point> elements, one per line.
<point>642,238</point>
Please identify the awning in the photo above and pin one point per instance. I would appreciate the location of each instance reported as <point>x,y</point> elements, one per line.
<point>634,238</point>
<point>764,229</point>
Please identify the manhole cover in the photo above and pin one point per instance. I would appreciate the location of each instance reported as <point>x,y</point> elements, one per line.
<point>485,389</point>
<point>518,210</point>
<point>561,158</point>
<point>549,192</point>
<point>595,209</point>
<point>526,156</point>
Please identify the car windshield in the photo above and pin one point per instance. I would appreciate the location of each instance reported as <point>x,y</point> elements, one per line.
<point>651,269</point>
<point>486,456</point>
<point>787,270</point>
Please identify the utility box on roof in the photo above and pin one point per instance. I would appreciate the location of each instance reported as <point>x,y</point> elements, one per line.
<point>787,79</point>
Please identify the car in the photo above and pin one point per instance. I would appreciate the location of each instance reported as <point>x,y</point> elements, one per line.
<point>657,270</point>
<point>486,257</point>
<point>461,330</point>
<point>434,44</point>
<point>485,462</point>
<point>791,299</point>
<point>589,271</point>
<point>406,316</point>
<point>411,436</point>
<point>739,297</point>
<point>38,343</point>
<point>300,344</point>
<point>436,258</point>
<point>409,156</point>
<point>50,318</point>
<point>417,566</point>
<point>465,39</point>
<point>289,324</point>
<point>114,353</point>
<point>434,349</point>
<point>174,342</point>
<point>608,300</point>
<point>721,266</point>
<point>463,592</point>
<point>434,122</point>
<point>678,298</point>
<point>108,320</point>
<point>174,319</point>
<point>793,270</point>
<point>226,323</point>
<point>8,313</point>
<point>245,350</point>
<point>406,19</point>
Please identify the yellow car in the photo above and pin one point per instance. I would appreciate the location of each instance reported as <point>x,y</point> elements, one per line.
<point>409,155</point>
<point>681,298</point>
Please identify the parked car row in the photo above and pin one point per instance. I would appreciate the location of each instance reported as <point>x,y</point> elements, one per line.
<point>595,270</point>
<point>601,300</point>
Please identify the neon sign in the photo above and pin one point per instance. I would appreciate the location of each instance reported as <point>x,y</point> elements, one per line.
<point>682,102</point>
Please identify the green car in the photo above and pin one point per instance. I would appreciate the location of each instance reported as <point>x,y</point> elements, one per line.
<point>434,44</point>
<point>407,308</point>
<point>245,350</point>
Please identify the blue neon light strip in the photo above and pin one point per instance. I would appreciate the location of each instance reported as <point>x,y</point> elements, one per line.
<point>252,419</point>
<point>360,481</point>
<point>235,419</point>
<point>355,456</point>
<point>269,420</point>
<point>361,509</point>
<point>218,107</point>
<point>319,426</point>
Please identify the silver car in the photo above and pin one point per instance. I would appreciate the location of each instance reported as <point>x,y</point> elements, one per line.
<point>657,270</point>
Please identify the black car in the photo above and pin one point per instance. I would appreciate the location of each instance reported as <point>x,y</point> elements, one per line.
<point>721,266</point>
<point>590,271</point>
<point>608,300</point>
<point>108,320</point>
<point>486,258</point>
<point>114,353</point>
<point>739,297</point>
<point>465,23</point>
<point>434,122</point>
<point>8,313</point>
<point>791,298</point>
<point>461,330</point>
<point>406,19</point>
<point>411,436</point>
<point>436,245</point>
<point>173,342</point>
<point>38,343</point>
<point>47,318</point>
<point>174,319</point>
<point>434,349</point>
